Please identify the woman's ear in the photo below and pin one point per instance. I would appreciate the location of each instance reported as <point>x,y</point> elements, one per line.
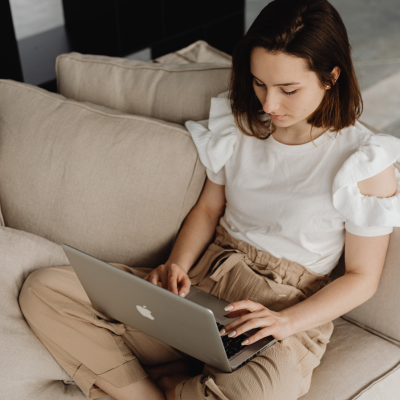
<point>335,74</point>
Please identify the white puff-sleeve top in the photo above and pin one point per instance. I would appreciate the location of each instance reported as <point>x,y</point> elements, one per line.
<point>297,201</point>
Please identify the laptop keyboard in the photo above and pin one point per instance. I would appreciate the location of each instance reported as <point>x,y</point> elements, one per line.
<point>232,345</point>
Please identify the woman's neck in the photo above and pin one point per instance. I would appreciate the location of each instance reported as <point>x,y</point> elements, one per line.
<point>296,135</point>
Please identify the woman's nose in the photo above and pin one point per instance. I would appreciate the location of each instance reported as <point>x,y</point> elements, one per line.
<point>270,104</point>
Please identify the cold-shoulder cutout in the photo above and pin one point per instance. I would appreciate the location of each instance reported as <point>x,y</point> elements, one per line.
<point>384,184</point>
<point>215,138</point>
<point>368,215</point>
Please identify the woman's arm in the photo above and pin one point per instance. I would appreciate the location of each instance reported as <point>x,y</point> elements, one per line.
<point>364,260</point>
<point>198,229</point>
<point>195,235</point>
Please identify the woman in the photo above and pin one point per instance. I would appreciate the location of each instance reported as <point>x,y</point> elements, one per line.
<point>292,177</point>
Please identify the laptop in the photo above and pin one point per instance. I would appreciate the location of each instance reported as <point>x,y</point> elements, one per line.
<point>190,324</point>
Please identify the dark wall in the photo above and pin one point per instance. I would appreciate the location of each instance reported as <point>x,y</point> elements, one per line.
<point>121,27</point>
<point>118,28</point>
<point>10,66</point>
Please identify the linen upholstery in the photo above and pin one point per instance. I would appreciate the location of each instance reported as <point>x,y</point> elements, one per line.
<point>387,387</point>
<point>27,369</point>
<point>354,360</point>
<point>115,186</point>
<point>171,92</point>
<point>197,52</point>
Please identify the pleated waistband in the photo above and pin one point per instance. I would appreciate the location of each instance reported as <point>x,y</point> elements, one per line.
<point>283,270</point>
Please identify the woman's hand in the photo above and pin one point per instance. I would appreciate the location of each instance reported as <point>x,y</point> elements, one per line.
<point>254,315</point>
<point>171,277</point>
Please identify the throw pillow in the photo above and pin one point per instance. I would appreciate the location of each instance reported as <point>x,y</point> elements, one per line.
<point>113,185</point>
<point>26,366</point>
<point>197,52</point>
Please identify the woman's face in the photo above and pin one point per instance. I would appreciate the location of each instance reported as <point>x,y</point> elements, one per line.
<point>287,90</point>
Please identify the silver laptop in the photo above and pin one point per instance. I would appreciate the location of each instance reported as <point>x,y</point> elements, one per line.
<point>190,324</point>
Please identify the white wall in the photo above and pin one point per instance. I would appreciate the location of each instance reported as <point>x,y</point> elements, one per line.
<point>35,16</point>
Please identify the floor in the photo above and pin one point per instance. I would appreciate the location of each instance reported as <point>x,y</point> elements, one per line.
<point>373,27</point>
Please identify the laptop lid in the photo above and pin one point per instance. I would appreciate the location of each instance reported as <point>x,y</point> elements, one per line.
<point>176,321</point>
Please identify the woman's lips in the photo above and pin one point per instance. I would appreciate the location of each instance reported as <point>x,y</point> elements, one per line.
<point>277,116</point>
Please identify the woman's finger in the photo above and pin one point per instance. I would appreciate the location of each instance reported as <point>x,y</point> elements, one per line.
<point>234,325</point>
<point>262,333</point>
<point>163,273</point>
<point>153,277</point>
<point>185,285</point>
<point>244,305</point>
<point>172,281</point>
<point>251,324</point>
<point>236,314</point>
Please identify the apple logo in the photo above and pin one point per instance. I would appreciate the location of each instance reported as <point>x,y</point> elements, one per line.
<point>145,312</point>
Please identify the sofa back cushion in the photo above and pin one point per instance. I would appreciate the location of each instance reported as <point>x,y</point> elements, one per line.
<point>115,186</point>
<point>171,92</point>
<point>197,52</point>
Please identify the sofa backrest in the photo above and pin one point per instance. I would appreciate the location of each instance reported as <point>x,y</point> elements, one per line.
<point>113,185</point>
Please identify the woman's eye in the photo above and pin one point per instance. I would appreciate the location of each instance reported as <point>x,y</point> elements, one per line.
<point>289,93</point>
<point>259,84</point>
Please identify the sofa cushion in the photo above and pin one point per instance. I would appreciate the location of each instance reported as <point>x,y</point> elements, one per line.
<point>354,360</point>
<point>171,92</point>
<point>27,369</point>
<point>115,186</point>
<point>385,388</point>
<point>197,52</point>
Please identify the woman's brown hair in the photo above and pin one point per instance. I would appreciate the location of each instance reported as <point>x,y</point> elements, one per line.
<point>309,29</point>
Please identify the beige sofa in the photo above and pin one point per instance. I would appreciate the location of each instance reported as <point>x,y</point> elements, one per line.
<point>116,180</point>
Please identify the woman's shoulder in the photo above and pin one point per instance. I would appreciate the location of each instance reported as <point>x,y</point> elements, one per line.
<point>370,152</point>
<point>366,188</point>
<point>216,137</point>
<point>355,135</point>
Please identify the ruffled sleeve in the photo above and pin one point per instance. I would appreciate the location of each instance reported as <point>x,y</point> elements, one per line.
<point>215,138</point>
<point>368,215</point>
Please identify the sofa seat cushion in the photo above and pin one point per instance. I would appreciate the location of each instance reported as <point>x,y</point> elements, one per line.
<point>356,365</point>
<point>113,185</point>
<point>27,369</point>
<point>171,92</point>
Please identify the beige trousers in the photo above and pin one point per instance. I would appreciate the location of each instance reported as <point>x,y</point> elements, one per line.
<point>89,345</point>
